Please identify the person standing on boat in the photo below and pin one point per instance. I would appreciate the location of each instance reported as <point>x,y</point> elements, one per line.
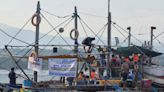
<point>88,42</point>
<point>12,77</point>
<point>102,56</point>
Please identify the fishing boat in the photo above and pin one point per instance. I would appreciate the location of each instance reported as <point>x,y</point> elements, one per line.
<point>59,64</point>
<point>65,65</point>
<point>149,61</point>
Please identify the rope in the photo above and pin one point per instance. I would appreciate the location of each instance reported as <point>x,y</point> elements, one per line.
<point>55,30</point>
<point>92,15</point>
<point>83,28</point>
<point>55,36</point>
<point>91,30</point>
<point>56,15</point>
<point>119,31</point>
<point>127,32</point>
<point>16,33</point>
<point>19,31</point>
<point>158,35</point>
<point>124,41</point>
<point>103,30</point>
<point>13,37</point>
<point>48,43</point>
<point>160,43</point>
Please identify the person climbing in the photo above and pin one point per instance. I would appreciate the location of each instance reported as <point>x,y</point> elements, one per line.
<point>12,77</point>
<point>88,42</point>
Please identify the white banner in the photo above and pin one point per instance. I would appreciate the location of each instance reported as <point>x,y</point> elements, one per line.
<point>62,67</point>
<point>35,64</point>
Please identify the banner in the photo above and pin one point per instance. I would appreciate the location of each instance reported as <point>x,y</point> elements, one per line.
<point>35,64</point>
<point>62,67</point>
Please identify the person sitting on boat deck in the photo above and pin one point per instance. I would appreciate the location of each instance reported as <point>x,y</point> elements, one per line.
<point>131,75</point>
<point>88,42</point>
<point>81,79</point>
<point>93,76</point>
<point>70,80</point>
<point>130,79</point>
<point>12,76</point>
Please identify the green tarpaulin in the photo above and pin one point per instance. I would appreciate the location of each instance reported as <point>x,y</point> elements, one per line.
<point>128,51</point>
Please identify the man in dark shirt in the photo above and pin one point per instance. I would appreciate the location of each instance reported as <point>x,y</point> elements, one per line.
<point>12,77</point>
<point>88,42</point>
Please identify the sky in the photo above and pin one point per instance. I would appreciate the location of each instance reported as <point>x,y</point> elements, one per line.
<point>139,14</point>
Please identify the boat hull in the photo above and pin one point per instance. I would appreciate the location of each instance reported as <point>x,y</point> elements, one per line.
<point>155,73</point>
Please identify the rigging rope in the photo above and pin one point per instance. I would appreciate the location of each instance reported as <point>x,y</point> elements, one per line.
<point>103,30</point>
<point>92,15</point>
<point>119,30</point>
<point>56,15</point>
<point>56,34</point>
<point>48,43</point>
<point>123,41</point>
<point>127,32</point>
<point>158,35</point>
<point>160,43</point>
<point>17,33</point>
<point>84,28</point>
<point>13,37</point>
<point>91,30</point>
<point>55,30</point>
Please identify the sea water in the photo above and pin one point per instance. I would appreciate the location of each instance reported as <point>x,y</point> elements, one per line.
<point>42,76</point>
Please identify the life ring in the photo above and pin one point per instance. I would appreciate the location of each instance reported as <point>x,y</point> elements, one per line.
<point>76,34</point>
<point>38,19</point>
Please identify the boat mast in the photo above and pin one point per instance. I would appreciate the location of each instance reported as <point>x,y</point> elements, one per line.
<point>76,27</point>
<point>76,40</point>
<point>129,37</point>
<point>37,37</point>
<point>151,39</point>
<point>109,35</point>
<point>109,26</point>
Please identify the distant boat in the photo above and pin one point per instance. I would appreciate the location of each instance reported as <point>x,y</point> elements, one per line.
<point>153,71</point>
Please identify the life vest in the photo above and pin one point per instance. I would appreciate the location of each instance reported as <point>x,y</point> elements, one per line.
<point>113,59</point>
<point>126,59</point>
<point>93,75</point>
<point>135,58</point>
